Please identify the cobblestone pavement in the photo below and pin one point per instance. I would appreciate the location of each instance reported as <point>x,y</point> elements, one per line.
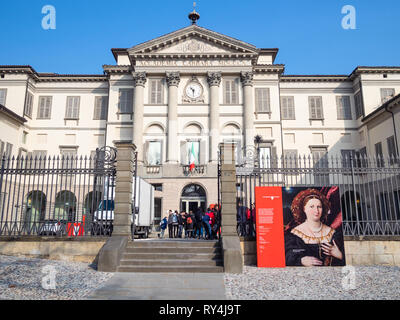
<point>22,278</point>
<point>370,283</point>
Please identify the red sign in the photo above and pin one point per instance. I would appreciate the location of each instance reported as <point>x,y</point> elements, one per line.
<point>269,222</point>
<point>76,229</point>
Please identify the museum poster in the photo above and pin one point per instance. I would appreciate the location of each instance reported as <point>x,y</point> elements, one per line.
<point>269,227</point>
<point>300,226</point>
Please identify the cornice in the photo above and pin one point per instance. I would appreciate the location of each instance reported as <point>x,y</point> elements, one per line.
<point>117,69</point>
<point>314,78</point>
<point>269,68</point>
<point>371,70</point>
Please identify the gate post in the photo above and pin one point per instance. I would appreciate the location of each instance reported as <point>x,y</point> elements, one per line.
<point>233,259</point>
<point>111,253</point>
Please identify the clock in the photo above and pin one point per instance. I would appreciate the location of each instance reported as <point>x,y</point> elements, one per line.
<point>193,91</point>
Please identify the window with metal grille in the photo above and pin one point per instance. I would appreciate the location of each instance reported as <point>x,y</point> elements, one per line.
<point>263,100</point>
<point>231,92</point>
<point>125,104</point>
<point>3,94</point>
<point>343,108</point>
<point>379,154</point>
<point>290,159</point>
<point>320,162</point>
<point>316,109</point>
<point>72,110</point>
<point>39,159</point>
<point>287,108</point>
<point>68,157</point>
<point>28,105</point>
<point>348,156</point>
<point>100,108</point>
<point>44,109</point>
<point>387,94</point>
<point>359,105</point>
<point>391,144</point>
<point>156,90</point>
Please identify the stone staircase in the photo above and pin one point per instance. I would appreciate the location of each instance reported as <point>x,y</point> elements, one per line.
<point>172,255</point>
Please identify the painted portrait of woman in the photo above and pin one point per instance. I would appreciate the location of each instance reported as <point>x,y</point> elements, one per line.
<point>309,240</point>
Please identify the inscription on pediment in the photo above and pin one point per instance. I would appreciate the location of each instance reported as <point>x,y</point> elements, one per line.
<point>195,46</point>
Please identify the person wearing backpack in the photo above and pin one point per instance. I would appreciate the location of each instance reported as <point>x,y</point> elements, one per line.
<point>163,225</point>
<point>181,224</point>
<point>207,227</point>
<point>189,226</point>
<point>175,224</point>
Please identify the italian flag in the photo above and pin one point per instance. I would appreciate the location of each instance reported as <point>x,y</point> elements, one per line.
<point>191,159</point>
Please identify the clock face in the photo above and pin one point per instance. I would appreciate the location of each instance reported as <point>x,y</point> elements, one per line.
<point>193,90</point>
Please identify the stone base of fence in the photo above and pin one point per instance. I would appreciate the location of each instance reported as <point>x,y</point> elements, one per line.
<point>366,252</point>
<point>66,249</point>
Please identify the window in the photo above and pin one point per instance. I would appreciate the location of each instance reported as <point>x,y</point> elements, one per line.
<point>343,108</point>
<point>263,100</point>
<point>154,153</point>
<point>68,157</point>
<point>28,105</point>
<point>3,94</point>
<point>391,149</point>
<point>1,148</point>
<point>387,94</point>
<point>231,92</point>
<point>72,110</point>
<point>290,158</point>
<point>125,104</point>
<point>24,137</point>
<point>379,154</point>
<point>315,107</point>
<point>156,90</point>
<point>359,105</point>
<point>320,161</point>
<point>193,147</point>
<point>9,148</point>
<point>44,110</point>
<point>157,186</point>
<point>100,108</point>
<point>287,105</point>
<point>265,157</point>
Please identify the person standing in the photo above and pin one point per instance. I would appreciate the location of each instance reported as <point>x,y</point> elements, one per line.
<point>175,224</point>
<point>199,223</point>
<point>206,225</point>
<point>189,225</point>
<point>170,230</point>
<point>163,225</point>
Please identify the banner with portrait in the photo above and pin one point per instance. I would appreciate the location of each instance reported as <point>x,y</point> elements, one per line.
<point>312,221</point>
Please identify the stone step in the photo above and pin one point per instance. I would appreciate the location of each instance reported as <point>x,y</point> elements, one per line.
<point>170,269</point>
<point>172,250</point>
<point>176,256</point>
<point>173,243</point>
<point>170,262</point>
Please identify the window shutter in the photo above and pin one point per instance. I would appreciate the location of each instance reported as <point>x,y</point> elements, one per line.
<point>291,113</point>
<point>234,88</point>
<point>153,93</point>
<point>104,108</point>
<point>3,94</point>
<point>346,107</point>
<point>262,100</point>
<point>227,91</point>
<point>339,105</point>
<point>146,152</point>
<point>184,155</point>
<point>97,108</point>
<point>203,152</point>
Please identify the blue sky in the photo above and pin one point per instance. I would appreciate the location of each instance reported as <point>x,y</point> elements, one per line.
<point>308,33</point>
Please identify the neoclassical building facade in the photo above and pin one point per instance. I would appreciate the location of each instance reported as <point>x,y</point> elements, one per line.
<point>186,92</point>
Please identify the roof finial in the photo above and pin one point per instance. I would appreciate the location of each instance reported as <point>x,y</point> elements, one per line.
<point>194,16</point>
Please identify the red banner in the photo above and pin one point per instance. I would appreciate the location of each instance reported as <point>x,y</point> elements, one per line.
<point>269,222</point>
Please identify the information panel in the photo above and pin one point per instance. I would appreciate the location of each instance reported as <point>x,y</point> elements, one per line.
<point>270,233</point>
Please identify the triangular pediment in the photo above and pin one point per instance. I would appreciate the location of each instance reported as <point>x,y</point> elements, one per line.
<point>193,40</point>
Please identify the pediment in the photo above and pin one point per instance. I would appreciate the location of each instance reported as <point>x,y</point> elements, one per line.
<point>193,40</point>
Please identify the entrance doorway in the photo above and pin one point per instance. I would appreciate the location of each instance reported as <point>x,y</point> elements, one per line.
<point>193,197</point>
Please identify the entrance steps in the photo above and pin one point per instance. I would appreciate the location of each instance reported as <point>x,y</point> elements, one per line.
<point>172,255</point>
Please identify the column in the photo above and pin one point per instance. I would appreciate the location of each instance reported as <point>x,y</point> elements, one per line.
<point>173,152</point>
<point>214,81</point>
<point>248,108</point>
<point>139,81</point>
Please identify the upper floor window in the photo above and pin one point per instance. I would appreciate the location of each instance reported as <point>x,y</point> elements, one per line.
<point>231,95</point>
<point>154,155</point>
<point>28,105</point>
<point>386,94</point>
<point>343,108</point>
<point>72,109</point>
<point>44,109</point>
<point>100,108</point>
<point>69,158</point>
<point>359,105</point>
<point>391,144</point>
<point>379,154</point>
<point>3,94</point>
<point>156,90</point>
<point>315,107</point>
<point>125,104</point>
<point>263,100</point>
<point>287,108</point>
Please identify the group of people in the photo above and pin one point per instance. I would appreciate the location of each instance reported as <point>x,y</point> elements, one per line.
<point>198,225</point>
<point>246,220</point>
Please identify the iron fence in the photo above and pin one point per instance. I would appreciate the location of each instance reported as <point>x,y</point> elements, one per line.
<point>369,188</point>
<point>58,196</point>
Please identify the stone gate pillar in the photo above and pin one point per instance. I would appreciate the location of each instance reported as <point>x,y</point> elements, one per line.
<point>233,258</point>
